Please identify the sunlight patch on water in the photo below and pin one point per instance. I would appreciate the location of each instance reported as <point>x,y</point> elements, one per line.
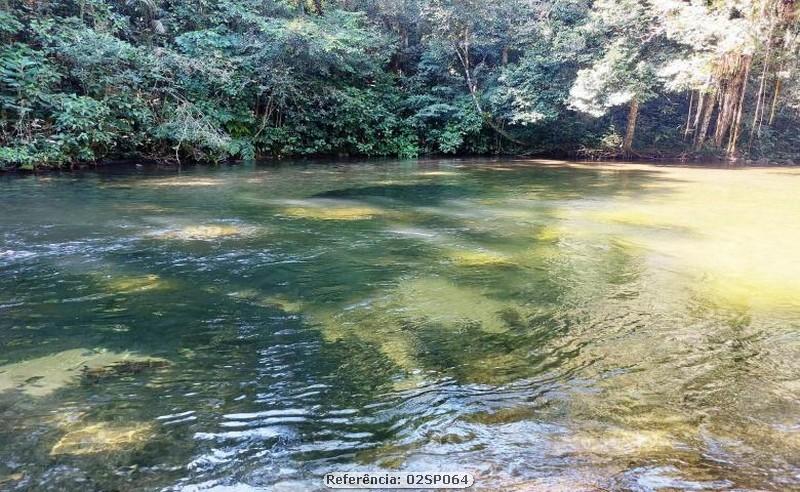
<point>629,217</point>
<point>436,173</point>
<point>710,223</point>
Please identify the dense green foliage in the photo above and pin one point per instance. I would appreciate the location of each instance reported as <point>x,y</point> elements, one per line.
<point>82,80</point>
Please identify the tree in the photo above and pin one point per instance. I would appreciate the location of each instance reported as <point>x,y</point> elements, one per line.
<point>626,71</point>
<point>240,79</point>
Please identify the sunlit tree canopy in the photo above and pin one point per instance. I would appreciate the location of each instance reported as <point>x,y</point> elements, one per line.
<point>240,79</point>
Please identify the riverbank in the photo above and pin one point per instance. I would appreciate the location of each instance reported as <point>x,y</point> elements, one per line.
<point>585,156</point>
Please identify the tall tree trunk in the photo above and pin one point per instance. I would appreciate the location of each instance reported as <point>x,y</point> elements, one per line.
<point>761,98</point>
<point>472,86</point>
<point>730,97</point>
<point>737,126</point>
<point>689,116</point>
<point>708,111</point>
<point>699,111</point>
<point>630,129</point>
<point>778,82</point>
<point>724,115</point>
<point>504,56</point>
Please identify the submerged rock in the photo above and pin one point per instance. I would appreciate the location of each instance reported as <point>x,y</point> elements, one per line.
<point>13,477</point>
<point>479,258</point>
<point>204,232</point>
<point>180,181</point>
<point>503,415</point>
<point>44,375</point>
<point>437,300</point>
<point>128,284</point>
<point>550,233</point>
<point>283,303</point>
<point>564,483</point>
<point>399,323</point>
<point>617,442</point>
<point>332,213</point>
<point>122,368</point>
<point>103,438</point>
<point>141,208</point>
<point>254,297</point>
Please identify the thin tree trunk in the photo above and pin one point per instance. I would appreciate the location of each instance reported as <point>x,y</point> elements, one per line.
<point>465,62</point>
<point>737,126</point>
<point>758,115</point>
<point>689,116</point>
<point>630,129</point>
<point>730,96</point>
<point>472,86</point>
<point>500,131</point>
<point>708,111</point>
<point>724,115</point>
<point>699,111</point>
<point>778,82</point>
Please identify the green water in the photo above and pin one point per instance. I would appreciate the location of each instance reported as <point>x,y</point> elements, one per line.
<point>545,326</point>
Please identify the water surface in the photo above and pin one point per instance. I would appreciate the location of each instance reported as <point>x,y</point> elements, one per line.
<point>540,324</point>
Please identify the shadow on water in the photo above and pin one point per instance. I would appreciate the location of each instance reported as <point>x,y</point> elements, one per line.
<point>415,194</point>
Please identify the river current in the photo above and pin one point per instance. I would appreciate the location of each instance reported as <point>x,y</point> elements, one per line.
<point>543,325</point>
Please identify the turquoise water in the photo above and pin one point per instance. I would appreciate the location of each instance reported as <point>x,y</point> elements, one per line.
<point>542,325</point>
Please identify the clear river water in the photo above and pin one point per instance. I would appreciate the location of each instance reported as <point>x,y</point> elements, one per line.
<point>542,325</point>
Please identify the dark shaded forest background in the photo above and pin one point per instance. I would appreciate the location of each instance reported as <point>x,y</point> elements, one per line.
<point>84,80</point>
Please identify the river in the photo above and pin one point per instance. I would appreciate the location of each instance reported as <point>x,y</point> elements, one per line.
<point>543,325</point>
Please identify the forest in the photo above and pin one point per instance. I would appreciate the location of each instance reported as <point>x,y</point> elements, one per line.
<point>82,81</point>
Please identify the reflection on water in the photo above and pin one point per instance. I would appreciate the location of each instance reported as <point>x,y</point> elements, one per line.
<point>543,325</point>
